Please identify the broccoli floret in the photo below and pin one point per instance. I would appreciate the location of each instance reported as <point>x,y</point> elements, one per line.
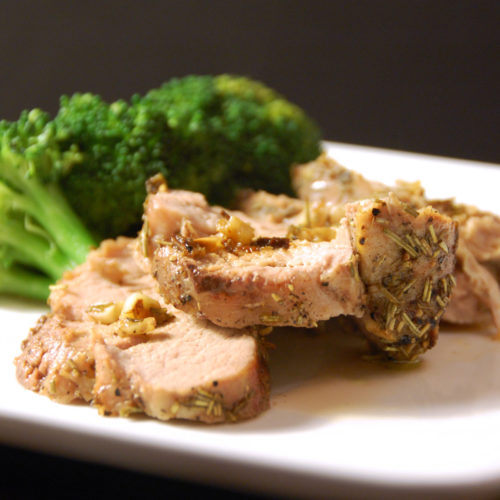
<point>203,133</point>
<point>229,132</point>
<point>41,236</point>
<point>122,146</point>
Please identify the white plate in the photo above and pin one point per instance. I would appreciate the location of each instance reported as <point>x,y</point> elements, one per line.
<point>338,425</point>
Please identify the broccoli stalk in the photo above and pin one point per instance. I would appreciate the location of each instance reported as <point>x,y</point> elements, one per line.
<point>17,280</point>
<point>40,235</point>
<point>88,166</point>
<point>32,249</point>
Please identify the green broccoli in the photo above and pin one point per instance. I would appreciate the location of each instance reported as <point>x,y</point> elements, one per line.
<point>203,133</point>
<point>16,279</point>
<point>122,146</point>
<point>40,235</point>
<point>228,132</point>
<point>213,134</point>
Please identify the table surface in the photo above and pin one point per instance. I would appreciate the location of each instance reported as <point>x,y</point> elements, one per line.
<point>27,474</point>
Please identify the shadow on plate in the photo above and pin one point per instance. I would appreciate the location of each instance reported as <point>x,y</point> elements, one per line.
<point>325,373</point>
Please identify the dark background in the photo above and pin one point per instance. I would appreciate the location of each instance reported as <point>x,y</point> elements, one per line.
<point>412,75</point>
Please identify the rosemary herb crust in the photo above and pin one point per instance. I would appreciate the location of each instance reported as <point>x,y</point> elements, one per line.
<point>406,261</point>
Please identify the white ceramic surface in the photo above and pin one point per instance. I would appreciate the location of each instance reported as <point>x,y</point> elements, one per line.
<point>338,425</point>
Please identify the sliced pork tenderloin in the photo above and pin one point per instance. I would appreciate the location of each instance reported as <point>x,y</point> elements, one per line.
<point>476,298</point>
<point>276,282</point>
<point>220,269</point>
<point>406,261</point>
<point>326,184</point>
<point>125,357</point>
<point>325,180</point>
<point>297,282</point>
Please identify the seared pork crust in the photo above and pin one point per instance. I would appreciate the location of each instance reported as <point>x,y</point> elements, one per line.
<point>57,360</point>
<point>272,281</point>
<point>297,283</point>
<point>406,261</point>
<point>387,264</point>
<point>176,366</point>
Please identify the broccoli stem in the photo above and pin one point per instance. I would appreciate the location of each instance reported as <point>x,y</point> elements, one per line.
<point>63,225</point>
<point>17,281</point>
<point>40,235</point>
<point>32,249</point>
<point>47,205</point>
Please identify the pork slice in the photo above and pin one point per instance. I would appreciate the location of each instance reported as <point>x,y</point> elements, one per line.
<point>293,281</point>
<point>466,307</point>
<point>406,261</point>
<point>476,297</point>
<point>325,180</point>
<point>479,291</point>
<point>271,282</point>
<point>275,283</point>
<point>192,370</point>
<point>325,183</point>
<point>171,212</point>
<point>57,360</point>
<point>174,366</point>
<point>275,208</point>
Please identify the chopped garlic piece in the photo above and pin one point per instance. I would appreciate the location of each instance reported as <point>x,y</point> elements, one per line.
<point>312,233</point>
<point>139,306</point>
<point>105,313</point>
<point>211,243</point>
<point>126,327</point>
<point>236,230</point>
<point>139,314</point>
